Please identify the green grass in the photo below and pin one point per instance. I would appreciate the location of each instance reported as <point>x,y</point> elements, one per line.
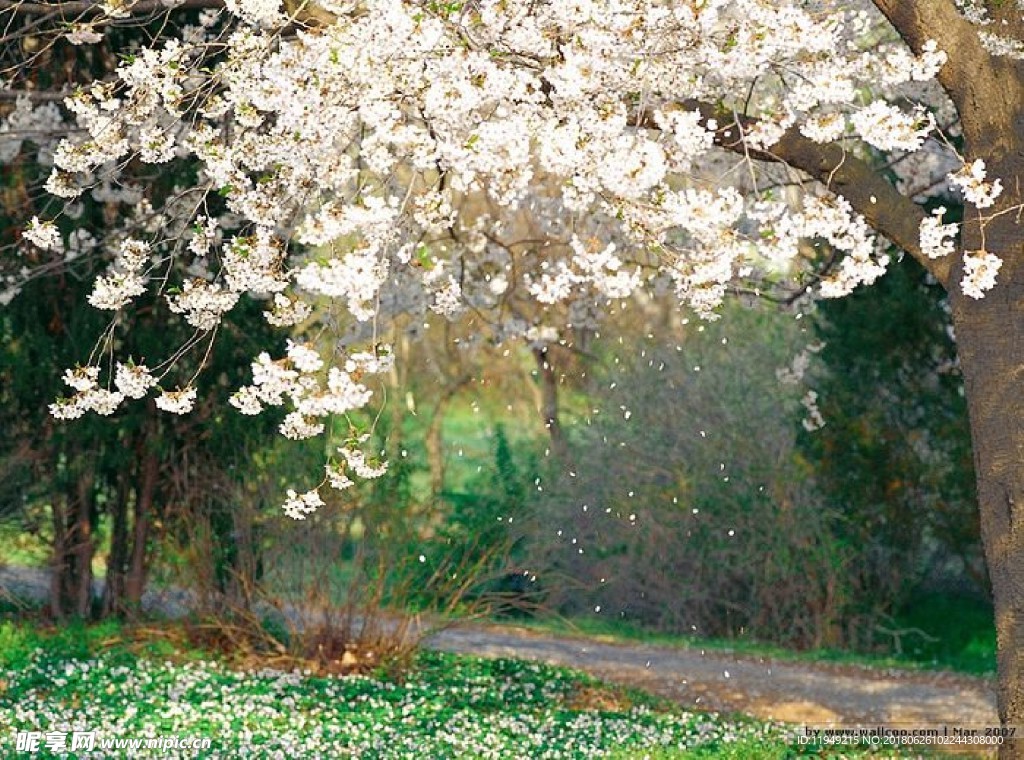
<point>967,645</point>
<point>963,629</point>
<point>103,677</point>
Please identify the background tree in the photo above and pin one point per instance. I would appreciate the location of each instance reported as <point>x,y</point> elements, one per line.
<point>894,455</point>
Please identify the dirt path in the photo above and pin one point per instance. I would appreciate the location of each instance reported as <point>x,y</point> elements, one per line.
<point>802,693</point>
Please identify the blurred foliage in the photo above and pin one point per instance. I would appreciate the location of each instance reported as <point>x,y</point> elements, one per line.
<point>894,457</point>
<point>689,508</point>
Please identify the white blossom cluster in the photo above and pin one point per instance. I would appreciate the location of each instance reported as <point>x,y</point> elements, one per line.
<point>970,180</point>
<point>269,712</point>
<point>1002,46</point>
<point>315,393</point>
<point>888,128</point>
<point>937,239</point>
<point>602,270</point>
<point>353,159</point>
<point>131,381</point>
<point>814,419</point>
<point>980,270</point>
<point>178,401</point>
<point>43,235</point>
<point>125,279</point>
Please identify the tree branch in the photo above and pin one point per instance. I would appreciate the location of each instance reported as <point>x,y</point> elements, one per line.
<point>888,211</point>
<point>988,91</point>
<point>38,96</point>
<point>90,7</point>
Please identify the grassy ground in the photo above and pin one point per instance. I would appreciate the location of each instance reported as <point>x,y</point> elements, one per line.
<point>128,684</point>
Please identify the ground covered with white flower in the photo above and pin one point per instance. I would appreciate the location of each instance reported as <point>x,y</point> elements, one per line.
<point>444,706</point>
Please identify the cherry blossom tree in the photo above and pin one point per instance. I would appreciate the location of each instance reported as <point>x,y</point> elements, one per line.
<point>365,158</point>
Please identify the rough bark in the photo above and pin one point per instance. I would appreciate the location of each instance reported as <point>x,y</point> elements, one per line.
<point>59,560</point>
<point>991,348</point>
<point>989,95</point>
<point>990,342</point>
<point>985,89</point>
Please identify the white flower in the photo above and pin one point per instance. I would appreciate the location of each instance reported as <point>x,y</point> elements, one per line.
<point>156,146</point>
<point>633,168</point>
<point>287,311</point>
<point>116,289</point>
<point>62,185</point>
<point>68,409</point>
<point>177,402</point>
<point>814,420</point>
<point>298,506</point>
<point>337,478</point>
<point>44,235</point>
<point>356,278</point>
<point>376,363</point>
<point>132,255</point>
<point>204,234</point>
<point>824,128</point>
<point>356,461</point>
<point>256,12</point>
<point>246,400</point>
<point>296,426</point>
<point>303,358</point>
<point>971,181</point>
<point>937,239</point>
<point>203,303</point>
<point>254,263</point>
<point>448,298</point>
<point>1002,46</point>
<point>82,378</point>
<point>272,379</point>
<point>101,401</point>
<point>980,270</point>
<point>888,128</point>
<point>117,8</point>
<point>133,380</point>
<point>690,138</point>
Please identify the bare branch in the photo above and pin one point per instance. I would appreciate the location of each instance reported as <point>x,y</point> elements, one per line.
<point>89,7</point>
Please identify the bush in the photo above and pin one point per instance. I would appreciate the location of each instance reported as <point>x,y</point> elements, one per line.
<point>691,508</point>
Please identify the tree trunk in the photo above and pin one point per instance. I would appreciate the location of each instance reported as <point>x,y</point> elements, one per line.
<point>73,548</point>
<point>83,546</point>
<point>145,496</point>
<point>113,595</point>
<point>245,576</point>
<point>433,438</point>
<point>990,340</point>
<point>60,562</point>
<point>549,404</point>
